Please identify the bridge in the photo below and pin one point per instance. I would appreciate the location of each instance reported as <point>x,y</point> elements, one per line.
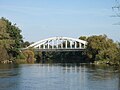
<point>59,44</point>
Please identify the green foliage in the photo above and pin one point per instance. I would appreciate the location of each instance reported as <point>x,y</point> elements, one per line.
<point>10,38</point>
<point>3,54</point>
<point>25,44</point>
<point>83,38</point>
<point>102,48</point>
<point>63,57</point>
<point>21,56</point>
<point>38,56</point>
<point>118,55</point>
<point>29,54</point>
<point>14,35</point>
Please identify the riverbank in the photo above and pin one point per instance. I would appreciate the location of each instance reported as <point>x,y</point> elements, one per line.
<point>105,62</point>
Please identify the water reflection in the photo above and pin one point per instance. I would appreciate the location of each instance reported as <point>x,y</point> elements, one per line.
<point>8,76</point>
<point>119,81</point>
<point>58,77</point>
<point>8,70</point>
<point>106,76</point>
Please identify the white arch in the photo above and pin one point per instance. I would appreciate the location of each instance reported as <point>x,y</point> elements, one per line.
<point>47,41</point>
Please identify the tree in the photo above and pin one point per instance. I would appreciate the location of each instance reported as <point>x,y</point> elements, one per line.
<point>10,38</point>
<point>14,36</point>
<point>118,55</point>
<point>29,54</point>
<point>25,44</point>
<point>3,54</point>
<point>83,38</point>
<point>101,48</point>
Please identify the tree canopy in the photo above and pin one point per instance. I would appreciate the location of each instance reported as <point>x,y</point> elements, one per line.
<point>101,48</point>
<point>10,39</point>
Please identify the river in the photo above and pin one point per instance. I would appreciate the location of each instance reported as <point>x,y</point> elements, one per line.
<point>58,77</point>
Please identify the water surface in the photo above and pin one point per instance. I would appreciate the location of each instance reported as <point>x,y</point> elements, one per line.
<point>58,77</point>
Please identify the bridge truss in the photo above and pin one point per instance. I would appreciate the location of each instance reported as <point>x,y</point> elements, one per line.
<point>59,44</point>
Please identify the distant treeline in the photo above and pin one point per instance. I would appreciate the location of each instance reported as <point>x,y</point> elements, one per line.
<point>100,49</point>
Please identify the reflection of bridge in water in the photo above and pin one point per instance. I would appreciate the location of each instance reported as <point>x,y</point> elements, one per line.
<point>59,44</point>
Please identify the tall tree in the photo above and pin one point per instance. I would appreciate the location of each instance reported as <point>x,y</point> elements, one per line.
<point>102,48</point>
<point>10,37</point>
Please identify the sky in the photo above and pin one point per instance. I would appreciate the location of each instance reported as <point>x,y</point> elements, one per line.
<point>41,19</point>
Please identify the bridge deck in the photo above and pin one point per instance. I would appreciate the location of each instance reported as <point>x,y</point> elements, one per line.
<point>60,50</point>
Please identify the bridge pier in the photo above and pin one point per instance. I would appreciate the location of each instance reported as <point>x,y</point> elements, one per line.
<point>42,57</point>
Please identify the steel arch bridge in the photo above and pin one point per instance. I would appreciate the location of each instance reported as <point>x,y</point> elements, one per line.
<point>59,44</point>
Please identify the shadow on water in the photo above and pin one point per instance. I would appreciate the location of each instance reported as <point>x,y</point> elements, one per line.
<point>8,70</point>
<point>9,76</point>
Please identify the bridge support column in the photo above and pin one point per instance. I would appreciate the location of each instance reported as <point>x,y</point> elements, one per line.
<point>71,44</point>
<point>66,44</point>
<point>75,44</point>
<point>57,44</point>
<point>48,44</point>
<point>43,46</point>
<point>79,45</point>
<point>61,44</point>
<point>43,57</point>
<point>52,44</point>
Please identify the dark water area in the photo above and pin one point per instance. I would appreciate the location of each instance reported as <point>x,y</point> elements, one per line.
<point>58,77</point>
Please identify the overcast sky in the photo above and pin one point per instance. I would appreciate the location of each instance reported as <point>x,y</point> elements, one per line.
<point>40,19</point>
